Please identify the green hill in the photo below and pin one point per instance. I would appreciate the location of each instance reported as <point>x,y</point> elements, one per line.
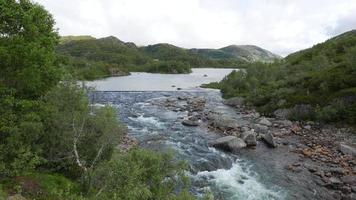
<point>316,83</point>
<point>248,53</point>
<point>90,58</point>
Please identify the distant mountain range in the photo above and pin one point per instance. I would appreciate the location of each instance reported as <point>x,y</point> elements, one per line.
<point>248,53</point>
<point>94,58</point>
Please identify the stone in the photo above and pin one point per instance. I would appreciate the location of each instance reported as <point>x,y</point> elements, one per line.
<point>348,149</point>
<point>264,121</point>
<point>307,127</point>
<point>235,101</point>
<point>282,113</point>
<point>229,143</point>
<point>269,139</point>
<point>250,138</point>
<point>335,182</point>
<point>284,123</point>
<point>311,168</point>
<point>188,122</point>
<point>350,180</point>
<point>224,122</point>
<point>260,128</point>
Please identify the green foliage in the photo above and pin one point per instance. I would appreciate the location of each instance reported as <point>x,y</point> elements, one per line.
<point>3,194</point>
<point>69,118</point>
<point>139,174</point>
<point>27,41</point>
<point>170,67</point>
<point>27,71</point>
<point>322,77</point>
<point>53,186</point>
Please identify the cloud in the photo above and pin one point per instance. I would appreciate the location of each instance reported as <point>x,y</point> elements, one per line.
<point>282,26</point>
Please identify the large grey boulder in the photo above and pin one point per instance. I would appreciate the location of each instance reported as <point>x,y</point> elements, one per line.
<point>249,137</point>
<point>223,122</point>
<point>189,122</point>
<point>269,139</point>
<point>229,143</point>
<point>260,128</point>
<point>348,149</point>
<point>264,121</point>
<point>235,101</point>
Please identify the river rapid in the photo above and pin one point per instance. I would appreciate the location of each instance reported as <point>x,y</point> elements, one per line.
<point>228,176</point>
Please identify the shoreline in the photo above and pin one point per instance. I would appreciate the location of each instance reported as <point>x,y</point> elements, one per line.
<point>306,154</point>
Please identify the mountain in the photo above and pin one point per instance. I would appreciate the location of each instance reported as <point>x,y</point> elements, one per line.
<point>70,38</point>
<point>93,58</point>
<point>248,53</point>
<point>318,83</point>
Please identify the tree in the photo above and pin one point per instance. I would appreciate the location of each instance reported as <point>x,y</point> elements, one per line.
<point>27,42</point>
<point>27,71</point>
<point>77,138</point>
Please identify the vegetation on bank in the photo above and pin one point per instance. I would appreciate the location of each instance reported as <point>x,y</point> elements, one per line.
<point>314,84</point>
<point>53,143</point>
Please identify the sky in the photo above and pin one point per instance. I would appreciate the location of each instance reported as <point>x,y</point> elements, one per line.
<point>281,26</point>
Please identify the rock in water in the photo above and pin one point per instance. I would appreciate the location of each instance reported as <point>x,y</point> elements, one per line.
<point>235,101</point>
<point>265,122</point>
<point>260,128</point>
<point>250,138</point>
<point>348,149</point>
<point>188,122</point>
<point>229,143</point>
<point>269,139</point>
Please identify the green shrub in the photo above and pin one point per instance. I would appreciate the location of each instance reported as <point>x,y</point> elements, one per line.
<point>139,174</point>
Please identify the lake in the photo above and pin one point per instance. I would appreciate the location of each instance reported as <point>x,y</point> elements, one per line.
<point>140,81</point>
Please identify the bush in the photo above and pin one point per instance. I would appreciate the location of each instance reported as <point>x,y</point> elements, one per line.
<point>78,136</point>
<point>139,174</point>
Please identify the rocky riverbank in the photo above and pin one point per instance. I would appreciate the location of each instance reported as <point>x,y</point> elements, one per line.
<point>321,158</point>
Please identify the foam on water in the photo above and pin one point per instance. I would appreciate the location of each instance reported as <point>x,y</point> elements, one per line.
<point>148,120</point>
<point>239,184</point>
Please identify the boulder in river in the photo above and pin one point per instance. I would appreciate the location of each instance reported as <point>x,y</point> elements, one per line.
<point>235,101</point>
<point>229,143</point>
<point>265,121</point>
<point>249,137</point>
<point>260,128</point>
<point>223,122</point>
<point>190,122</point>
<point>269,139</point>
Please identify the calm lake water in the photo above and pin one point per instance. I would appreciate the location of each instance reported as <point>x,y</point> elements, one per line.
<point>139,81</point>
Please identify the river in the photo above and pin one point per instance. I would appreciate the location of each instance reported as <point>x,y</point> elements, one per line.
<point>228,176</point>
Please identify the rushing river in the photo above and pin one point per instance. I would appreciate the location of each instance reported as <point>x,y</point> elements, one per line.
<point>227,176</point>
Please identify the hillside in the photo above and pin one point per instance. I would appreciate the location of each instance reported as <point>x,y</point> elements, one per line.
<point>69,38</point>
<point>90,58</point>
<point>248,53</point>
<point>316,83</point>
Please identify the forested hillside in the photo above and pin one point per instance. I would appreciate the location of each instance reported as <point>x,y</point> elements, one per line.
<point>89,58</point>
<point>316,83</point>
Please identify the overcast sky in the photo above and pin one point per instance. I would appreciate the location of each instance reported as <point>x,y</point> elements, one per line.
<point>281,26</point>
